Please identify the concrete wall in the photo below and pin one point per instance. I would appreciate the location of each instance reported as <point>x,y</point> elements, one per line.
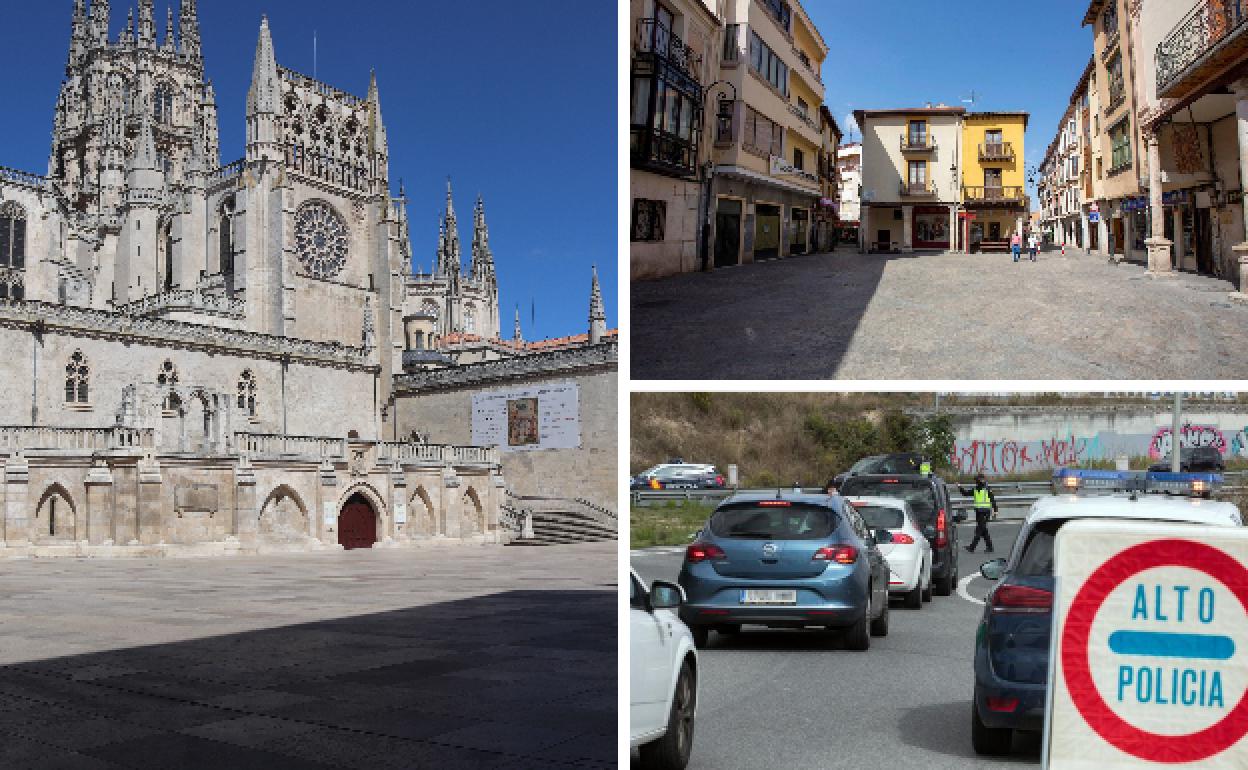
<point>588,471</point>
<point>1011,443</point>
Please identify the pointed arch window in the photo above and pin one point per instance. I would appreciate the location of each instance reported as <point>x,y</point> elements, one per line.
<point>470,320</point>
<point>167,378</point>
<point>162,104</point>
<point>12,247</point>
<point>77,379</point>
<point>247,393</point>
<point>225,225</point>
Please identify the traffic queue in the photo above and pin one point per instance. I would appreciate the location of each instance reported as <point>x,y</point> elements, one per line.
<point>833,561</point>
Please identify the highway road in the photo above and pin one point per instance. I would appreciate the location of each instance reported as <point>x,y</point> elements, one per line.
<point>788,699</point>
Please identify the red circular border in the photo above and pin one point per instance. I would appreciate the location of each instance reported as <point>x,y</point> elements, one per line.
<point>1077,669</point>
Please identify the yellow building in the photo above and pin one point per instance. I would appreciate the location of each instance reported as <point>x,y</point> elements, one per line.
<point>994,197</point>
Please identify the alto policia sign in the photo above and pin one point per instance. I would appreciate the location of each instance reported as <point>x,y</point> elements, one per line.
<point>1149,665</point>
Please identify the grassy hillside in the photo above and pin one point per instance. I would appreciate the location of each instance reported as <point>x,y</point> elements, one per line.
<point>773,438</point>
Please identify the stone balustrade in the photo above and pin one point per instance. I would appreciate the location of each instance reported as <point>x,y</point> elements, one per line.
<point>25,437</point>
<point>278,445</point>
<point>186,299</point>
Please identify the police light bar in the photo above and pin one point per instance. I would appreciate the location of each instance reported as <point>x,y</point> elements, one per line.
<point>1074,480</point>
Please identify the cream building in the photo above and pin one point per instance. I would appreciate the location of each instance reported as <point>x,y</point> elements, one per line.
<point>849,171</point>
<point>213,358</point>
<point>765,187</point>
<point>911,163</point>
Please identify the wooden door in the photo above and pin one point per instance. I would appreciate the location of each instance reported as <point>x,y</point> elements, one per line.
<point>357,524</point>
<point>727,232</point>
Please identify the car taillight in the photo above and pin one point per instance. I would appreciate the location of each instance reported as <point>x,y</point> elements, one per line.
<point>902,538</point>
<point>1014,598</point>
<point>719,480</point>
<point>697,552</point>
<point>1002,704</point>
<point>942,529</point>
<point>841,554</point>
<point>654,484</point>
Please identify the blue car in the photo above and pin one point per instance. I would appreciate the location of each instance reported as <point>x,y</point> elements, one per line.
<point>1013,638</point>
<point>786,560</point>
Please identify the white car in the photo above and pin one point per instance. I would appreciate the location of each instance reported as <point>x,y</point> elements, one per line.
<point>663,676</point>
<point>909,555</point>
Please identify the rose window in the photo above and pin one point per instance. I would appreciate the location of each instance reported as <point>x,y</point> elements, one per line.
<point>321,240</point>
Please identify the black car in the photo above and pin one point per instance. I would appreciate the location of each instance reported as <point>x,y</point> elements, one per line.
<point>1197,458</point>
<point>897,462</point>
<point>929,498</point>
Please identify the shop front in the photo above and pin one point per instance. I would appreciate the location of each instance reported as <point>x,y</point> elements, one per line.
<point>931,227</point>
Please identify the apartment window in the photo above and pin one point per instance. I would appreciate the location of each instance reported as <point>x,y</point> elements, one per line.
<point>992,177</point>
<point>799,160</point>
<point>918,133</point>
<point>766,63</point>
<point>1117,89</point>
<point>732,52</point>
<point>1100,168</point>
<point>1120,140</point>
<point>992,136</point>
<point>665,122</point>
<point>1109,20</point>
<point>918,173</point>
<point>803,107</point>
<point>648,219</point>
<point>781,12</point>
<point>761,135</point>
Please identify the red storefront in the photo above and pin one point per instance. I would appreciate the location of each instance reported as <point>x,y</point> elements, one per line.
<point>930,227</point>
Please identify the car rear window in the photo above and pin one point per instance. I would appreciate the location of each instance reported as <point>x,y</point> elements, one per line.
<point>920,494</point>
<point>1037,557</point>
<point>882,517</point>
<point>755,522</point>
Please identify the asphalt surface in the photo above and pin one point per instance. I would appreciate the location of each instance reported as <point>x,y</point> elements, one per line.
<point>846,315</point>
<point>788,699</point>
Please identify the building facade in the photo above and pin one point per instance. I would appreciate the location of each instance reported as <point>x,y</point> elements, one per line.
<point>212,357</point>
<point>849,173</point>
<point>675,55</point>
<point>993,182</point>
<point>910,178</point>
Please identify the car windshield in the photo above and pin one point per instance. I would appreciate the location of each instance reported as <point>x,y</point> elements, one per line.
<point>920,494</point>
<point>865,462</point>
<point>882,517</point>
<point>790,522</point>
<point>1037,557</point>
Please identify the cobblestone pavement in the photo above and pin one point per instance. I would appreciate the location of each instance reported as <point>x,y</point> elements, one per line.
<point>937,316</point>
<point>475,657</point>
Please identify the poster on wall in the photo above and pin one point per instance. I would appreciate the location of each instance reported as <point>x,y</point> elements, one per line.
<point>522,419</point>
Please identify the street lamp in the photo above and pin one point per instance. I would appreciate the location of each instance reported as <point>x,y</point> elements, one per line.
<point>723,127</point>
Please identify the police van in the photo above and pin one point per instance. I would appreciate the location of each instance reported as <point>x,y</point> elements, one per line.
<point>1012,641</point>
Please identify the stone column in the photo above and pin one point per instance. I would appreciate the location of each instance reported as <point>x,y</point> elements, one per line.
<point>99,507</point>
<point>907,229</point>
<point>1176,215</point>
<point>1083,224</point>
<point>398,504</point>
<point>864,228</point>
<point>1158,245</point>
<point>16,501</point>
<point>1102,233</point>
<point>246,515</point>
<point>149,524</point>
<point>451,513</point>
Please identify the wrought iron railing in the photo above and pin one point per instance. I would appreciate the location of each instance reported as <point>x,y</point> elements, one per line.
<point>996,151</point>
<point>917,188</point>
<point>993,194</point>
<point>1201,30</point>
<point>921,143</point>
<point>653,37</point>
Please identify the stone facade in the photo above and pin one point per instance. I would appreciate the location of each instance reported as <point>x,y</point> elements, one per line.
<point>203,358</point>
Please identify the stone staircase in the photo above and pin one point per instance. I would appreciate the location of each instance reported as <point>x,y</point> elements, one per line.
<point>560,521</point>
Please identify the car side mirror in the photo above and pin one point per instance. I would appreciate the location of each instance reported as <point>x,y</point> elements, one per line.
<point>883,537</point>
<point>992,569</point>
<point>665,595</point>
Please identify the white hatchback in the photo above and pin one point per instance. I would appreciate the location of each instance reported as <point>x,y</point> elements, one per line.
<point>909,555</point>
<point>663,676</point>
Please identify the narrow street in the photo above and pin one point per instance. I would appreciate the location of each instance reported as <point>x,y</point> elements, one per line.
<point>846,315</point>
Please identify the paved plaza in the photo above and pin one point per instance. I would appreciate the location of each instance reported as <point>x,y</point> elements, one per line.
<point>463,657</point>
<point>937,316</point>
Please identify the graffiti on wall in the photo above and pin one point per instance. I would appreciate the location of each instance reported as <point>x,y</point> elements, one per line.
<point>1189,436</point>
<point>1006,457</point>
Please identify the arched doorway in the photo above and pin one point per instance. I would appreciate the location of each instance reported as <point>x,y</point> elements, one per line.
<point>357,523</point>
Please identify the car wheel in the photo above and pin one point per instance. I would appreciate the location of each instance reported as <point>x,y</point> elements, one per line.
<point>913,599</point>
<point>993,741</point>
<point>671,752</point>
<point>879,626</point>
<point>701,636</point>
<point>858,637</point>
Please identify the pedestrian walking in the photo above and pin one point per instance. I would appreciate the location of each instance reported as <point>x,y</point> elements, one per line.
<point>1033,246</point>
<point>1016,245</point>
<point>985,506</point>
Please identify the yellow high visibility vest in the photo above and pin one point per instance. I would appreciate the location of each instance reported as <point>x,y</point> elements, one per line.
<point>981,498</point>
<point>925,468</point>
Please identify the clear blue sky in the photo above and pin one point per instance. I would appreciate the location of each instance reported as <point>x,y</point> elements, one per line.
<point>1014,55</point>
<point>506,97</point>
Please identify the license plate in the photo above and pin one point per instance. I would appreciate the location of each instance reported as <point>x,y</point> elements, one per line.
<point>768,597</point>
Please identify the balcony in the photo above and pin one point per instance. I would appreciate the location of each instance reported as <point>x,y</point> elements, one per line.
<point>917,190</point>
<point>1205,43</point>
<point>993,196</point>
<point>918,143</point>
<point>655,39</point>
<point>996,151</point>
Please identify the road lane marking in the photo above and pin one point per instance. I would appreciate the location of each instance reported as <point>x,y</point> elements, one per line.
<point>962,584</point>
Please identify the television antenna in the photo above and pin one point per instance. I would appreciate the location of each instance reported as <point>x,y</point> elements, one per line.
<point>970,100</point>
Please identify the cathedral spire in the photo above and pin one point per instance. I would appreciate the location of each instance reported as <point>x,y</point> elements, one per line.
<point>451,265</point>
<point>263,104</point>
<point>127,32</point>
<point>378,145</point>
<point>78,41</point>
<point>482,257</point>
<point>188,30</point>
<point>170,44</point>
<point>597,315</point>
<point>99,21</point>
<point>147,25</point>
<point>516,336</point>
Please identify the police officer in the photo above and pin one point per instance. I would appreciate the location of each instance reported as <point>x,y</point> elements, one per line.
<point>985,506</point>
